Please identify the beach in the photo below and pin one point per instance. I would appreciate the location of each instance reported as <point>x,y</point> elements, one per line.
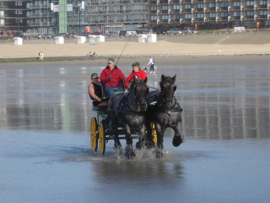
<point>166,46</point>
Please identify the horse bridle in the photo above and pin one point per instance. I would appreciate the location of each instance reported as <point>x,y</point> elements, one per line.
<point>137,101</point>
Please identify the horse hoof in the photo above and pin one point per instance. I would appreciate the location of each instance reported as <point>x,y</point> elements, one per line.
<point>117,145</point>
<point>149,144</point>
<point>177,140</point>
<point>138,145</point>
<point>129,153</point>
<point>159,153</point>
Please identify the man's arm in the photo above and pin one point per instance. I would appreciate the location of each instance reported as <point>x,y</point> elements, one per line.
<point>103,78</point>
<point>128,80</point>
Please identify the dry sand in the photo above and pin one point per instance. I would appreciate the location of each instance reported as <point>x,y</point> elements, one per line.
<point>199,45</point>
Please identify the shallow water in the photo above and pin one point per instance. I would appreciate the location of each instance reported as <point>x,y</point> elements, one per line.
<point>45,155</point>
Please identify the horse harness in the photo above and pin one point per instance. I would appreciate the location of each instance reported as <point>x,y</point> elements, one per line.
<point>159,101</point>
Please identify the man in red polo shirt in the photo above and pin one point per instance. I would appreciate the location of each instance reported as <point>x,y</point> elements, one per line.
<point>135,72</point>
<point>111,78</point>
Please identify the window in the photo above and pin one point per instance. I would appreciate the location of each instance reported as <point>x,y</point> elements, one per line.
<point>201,6</point>
<point>18,3</point>
<point>211,5</point>
<point>177,7</point>
<point>201,15</point>
<point>165,17</point>
<point>189,16</point>
<point>213,15</point>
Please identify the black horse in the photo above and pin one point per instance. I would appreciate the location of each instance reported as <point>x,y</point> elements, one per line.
<point>164,111</point>
<point>129,109</point>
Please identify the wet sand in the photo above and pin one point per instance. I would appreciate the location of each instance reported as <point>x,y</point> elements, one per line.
<point>161,62</point>
<point>45,152</point>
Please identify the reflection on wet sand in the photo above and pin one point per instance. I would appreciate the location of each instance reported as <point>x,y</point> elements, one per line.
<point>138,171</point>
<point>217,102</point>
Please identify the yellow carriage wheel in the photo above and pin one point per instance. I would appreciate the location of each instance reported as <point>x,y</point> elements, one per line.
<point>102,140</point>
<point>93,134</point>
<point>154,134</point>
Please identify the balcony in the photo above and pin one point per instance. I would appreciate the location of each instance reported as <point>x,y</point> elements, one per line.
<point>187,10</point>
<point>212,9</point>
<point>236,17</point>
<point>263,7</point>
<point>188,20</point>
<point>38,6</point>
<point>175,2</point>
<point>251,8</point>
<point>211,19</point>
<point>223,8</point>
<point>164,1</point>
<point>262,17</point>
<point>223,18</point>
<point>235,8</point>
<point>199,20</point>
<point>199,9</point>
<point>164,11</point>
<point>165,20</point>
<point>249,17</point>
<point>208,1</point>
<point>175,10</point>
<point>175,20</point>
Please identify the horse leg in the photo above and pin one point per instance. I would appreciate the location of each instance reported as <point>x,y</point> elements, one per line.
<point>149,137</point>
<point>117,143</point>
<point>129,150</point>
<point>141,142</point>
<point>177,139</point>
<point>160,133</point>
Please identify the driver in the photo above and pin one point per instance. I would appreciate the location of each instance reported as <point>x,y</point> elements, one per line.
<point>112,78</point>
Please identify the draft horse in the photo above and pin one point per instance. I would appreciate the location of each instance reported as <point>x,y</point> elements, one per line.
<point>164,111</point>
<point>129,109</point>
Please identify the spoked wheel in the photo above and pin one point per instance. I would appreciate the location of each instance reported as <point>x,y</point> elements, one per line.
<point>93,134</point>
<point>154,134</point>
<point>102,140</point>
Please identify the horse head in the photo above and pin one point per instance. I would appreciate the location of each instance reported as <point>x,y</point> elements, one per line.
<point>139,89</point>
<point>167,87</point>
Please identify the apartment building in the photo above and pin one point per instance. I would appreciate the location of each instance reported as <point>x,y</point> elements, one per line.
<point>12,16</point>
<point>71,16</point>
<point>39,16</point>
<point>209,14</point>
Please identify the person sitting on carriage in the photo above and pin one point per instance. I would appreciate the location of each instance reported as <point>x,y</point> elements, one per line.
<point>95,91</point>
<point>137,72</point>
<point>112,78</point>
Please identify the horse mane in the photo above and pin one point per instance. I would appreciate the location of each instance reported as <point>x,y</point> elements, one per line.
<point>167,79</point>
<point>135,81</point>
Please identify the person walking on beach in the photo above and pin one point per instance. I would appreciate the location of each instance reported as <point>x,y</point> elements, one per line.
<point>112,78</point>
<point>135,72</point>
<point>152,64</point>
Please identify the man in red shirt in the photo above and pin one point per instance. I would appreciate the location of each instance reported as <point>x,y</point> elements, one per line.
<point>112,78</point>
<point>135,72</point>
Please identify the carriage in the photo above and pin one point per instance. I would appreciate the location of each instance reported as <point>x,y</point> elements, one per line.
<point>139,111</point>
<point>100,133</point>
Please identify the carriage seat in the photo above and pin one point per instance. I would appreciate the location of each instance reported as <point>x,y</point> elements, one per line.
<point>99,108</point>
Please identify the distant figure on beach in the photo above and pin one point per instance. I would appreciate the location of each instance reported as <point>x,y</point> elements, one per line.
<point>41,55</point>
<point>152,64</point>
<point>90,54</point>
<point>94,54</point>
